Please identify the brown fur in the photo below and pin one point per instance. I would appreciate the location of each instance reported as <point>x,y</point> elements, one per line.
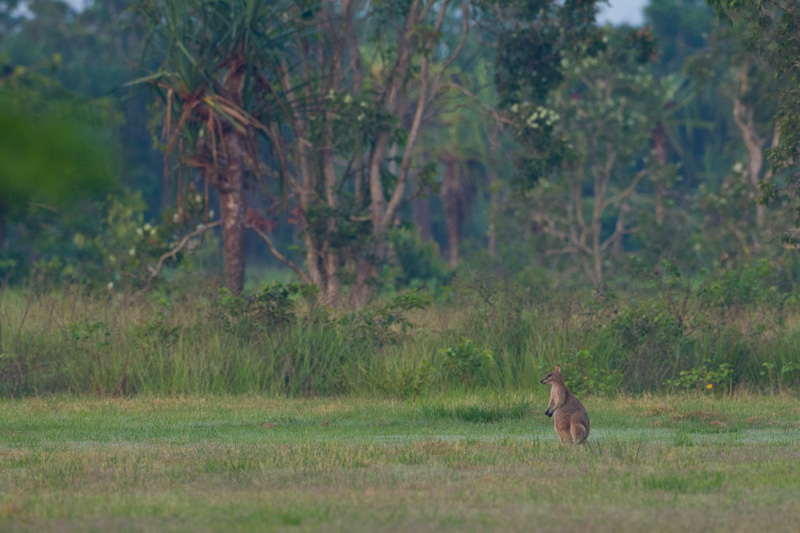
<point>569,416</point>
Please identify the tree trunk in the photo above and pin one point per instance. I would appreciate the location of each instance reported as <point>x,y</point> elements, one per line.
<point>232,207</point>
<point>743,116</point>
<point>452,202</point>
<point>365,271</point>
<point>494,202</point>
<point>420,206</point>
<point>2,229</point>
<point>600,188</point>
<point>334,288</point>
<point>421,213</point>
<point>331,295</point>
<point>659,139</point>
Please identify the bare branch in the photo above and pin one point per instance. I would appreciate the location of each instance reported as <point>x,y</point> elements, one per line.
<point>625,193</point>
<point>549,228</point>
<point>400,67</point>
<point>562,251</point>
<point>172,253</point>
<point>462,39</point>
<point>426,9</point>
<point>402,177</point>
<point>279,256</point>
<point>500,119</point>
<point>439,17</point>
<point>280,148</point>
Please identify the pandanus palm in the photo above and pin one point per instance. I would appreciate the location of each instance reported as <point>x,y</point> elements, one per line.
<point>213,56</point>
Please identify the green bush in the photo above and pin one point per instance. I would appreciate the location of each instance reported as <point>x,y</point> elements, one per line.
<point>584,375</point>
<point>265,310</point>
<point>416,264</point>
<point>642,343</point>
<point>385,323</point>
<point>407,382</point>
<point>701,379</point>
<point>468,364</point>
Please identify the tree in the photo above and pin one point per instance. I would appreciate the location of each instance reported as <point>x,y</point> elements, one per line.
<point>588,204</point>
<point>354,127</point>
<point>771,28</point>
<point>62,71</point>
<point>55,147</point>
<point>460,138</point>
<point>97,48</point>
<point>753,101</point>
<point>342,110</point>
<point>10,16</point>
<point>213,89</point>
<point>402,72</point>
<point>681,29</point>
<point>696,127</point>
<point>333,109</point>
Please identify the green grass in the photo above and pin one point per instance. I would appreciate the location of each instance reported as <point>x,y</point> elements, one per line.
<point>443,463</point>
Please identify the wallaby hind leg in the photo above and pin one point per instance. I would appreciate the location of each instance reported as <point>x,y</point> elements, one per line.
<point>579,432</point>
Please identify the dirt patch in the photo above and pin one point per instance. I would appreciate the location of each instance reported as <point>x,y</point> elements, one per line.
<point>659,410</point>
<point>10,509</point>
<point>708,417</point>
<point>14,455</point>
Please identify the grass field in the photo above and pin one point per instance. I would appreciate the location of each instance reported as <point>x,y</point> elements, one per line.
<point>454,463</point>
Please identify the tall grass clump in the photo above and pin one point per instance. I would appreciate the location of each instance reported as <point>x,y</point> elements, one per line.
<point>273,341</point>
<point>718,328</point>
<point>710,333</point>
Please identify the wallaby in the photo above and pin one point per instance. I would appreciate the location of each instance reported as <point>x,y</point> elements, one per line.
<point>571,419</point>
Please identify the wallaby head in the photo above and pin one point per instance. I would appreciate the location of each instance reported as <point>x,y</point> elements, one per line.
<point>553,377</point>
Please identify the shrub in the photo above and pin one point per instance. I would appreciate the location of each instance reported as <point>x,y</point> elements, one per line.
<point>467,363</point>
<point>701,379</point>
<point>416,264</point>
<point>643,343</point>
<point>268,309</point>
<point>407,382</point>
<point>583,375</point>
<point>385,323</point>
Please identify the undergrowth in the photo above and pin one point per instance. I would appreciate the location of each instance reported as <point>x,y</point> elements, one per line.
<point>709,335</point>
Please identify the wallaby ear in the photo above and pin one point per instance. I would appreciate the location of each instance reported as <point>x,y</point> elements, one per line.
<point>558,369</point>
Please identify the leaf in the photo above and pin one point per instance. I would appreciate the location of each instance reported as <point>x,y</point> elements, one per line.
<point>148,79</point>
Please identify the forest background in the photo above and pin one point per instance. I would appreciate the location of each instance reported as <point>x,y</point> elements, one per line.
<point>323,197</point>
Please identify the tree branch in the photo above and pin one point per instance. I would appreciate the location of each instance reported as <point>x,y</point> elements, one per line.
<point>461,41</point>
<point>172,253</point>
<point>627,191</point>
<point>500,119</point>
<point>279,256</point>
<point>402,176</point>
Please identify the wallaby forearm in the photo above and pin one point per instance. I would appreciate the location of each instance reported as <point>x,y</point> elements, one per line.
<point>557,399</point>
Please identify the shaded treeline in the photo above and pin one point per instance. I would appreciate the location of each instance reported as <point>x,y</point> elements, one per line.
<point>335,137</point>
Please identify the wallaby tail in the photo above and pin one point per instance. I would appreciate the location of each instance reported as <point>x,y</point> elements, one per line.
<point>579,432</point>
